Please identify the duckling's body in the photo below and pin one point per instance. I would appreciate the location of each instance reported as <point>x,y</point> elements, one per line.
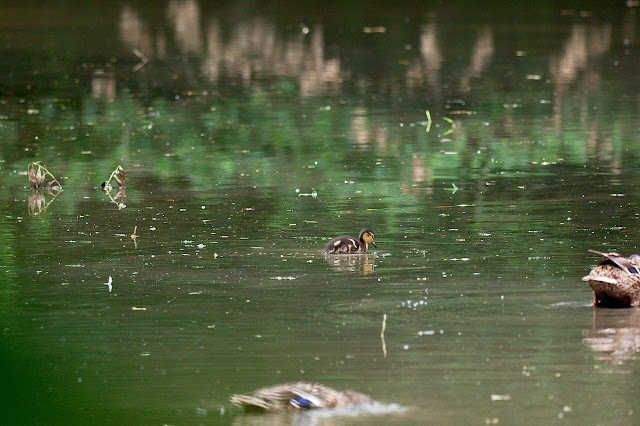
<point>615,281</point>
<point>296,396</point>
<point>349,245</point>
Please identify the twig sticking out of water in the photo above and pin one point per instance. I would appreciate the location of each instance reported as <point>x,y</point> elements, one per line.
<point>143,60</point>
<point>37,173</point>
<point>117,175</point>
<point>453,126</point>
<point>134,236</point>
<point>384,326</point>
<point>428,120</point>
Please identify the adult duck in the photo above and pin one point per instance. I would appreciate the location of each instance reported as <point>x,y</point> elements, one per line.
<point>615,281</point>
<point>291,397</point>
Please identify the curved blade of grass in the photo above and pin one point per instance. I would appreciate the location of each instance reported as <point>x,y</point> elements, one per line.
<point>453,126</point>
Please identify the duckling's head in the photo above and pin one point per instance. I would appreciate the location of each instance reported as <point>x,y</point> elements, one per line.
<point>366,235</point>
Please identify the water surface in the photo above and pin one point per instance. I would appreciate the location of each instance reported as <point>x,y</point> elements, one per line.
<point>250,136</point>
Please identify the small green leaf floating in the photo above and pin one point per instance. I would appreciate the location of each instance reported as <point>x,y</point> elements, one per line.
<point>454,188</point>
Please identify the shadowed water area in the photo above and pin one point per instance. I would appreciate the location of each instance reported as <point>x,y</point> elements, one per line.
<point>487,147</point>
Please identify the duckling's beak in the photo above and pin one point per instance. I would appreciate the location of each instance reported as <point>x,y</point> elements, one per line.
<point>373,243</point>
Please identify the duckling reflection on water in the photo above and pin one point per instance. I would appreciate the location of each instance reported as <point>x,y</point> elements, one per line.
<point>291,397</point>
<point>615,281</point>
<point>349,245</point>
<point>364,263</point>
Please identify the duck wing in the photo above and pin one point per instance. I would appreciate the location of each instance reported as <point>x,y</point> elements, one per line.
<point>342,245</point>
<point>292,396</point>
<point>621,262</point>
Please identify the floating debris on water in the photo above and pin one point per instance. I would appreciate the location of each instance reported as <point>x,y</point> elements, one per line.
<point>454,188</point>
<point>495,397</point>
<point>108,283</point>
<point>372,30</point>
<point>384,327</point>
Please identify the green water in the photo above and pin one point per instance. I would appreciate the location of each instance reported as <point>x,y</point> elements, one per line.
<point>251,136</point>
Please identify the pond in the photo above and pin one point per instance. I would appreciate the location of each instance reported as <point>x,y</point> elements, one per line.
<point>487,147</point>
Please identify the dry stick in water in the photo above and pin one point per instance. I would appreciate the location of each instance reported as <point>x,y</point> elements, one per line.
<point>134,236</point>
<point>117,175</point>
<point>143,60</point>
<point>37,173</point>
<point>384,326</point>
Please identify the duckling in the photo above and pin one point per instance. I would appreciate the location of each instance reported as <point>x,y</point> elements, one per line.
<point>291,397</point>
<point>349,245</point>
<point>615,281</point>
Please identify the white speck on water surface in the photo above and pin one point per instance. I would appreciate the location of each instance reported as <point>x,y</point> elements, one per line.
<point>495,397</point>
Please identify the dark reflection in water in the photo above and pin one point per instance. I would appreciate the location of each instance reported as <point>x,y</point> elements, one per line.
<point>490,145</point>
